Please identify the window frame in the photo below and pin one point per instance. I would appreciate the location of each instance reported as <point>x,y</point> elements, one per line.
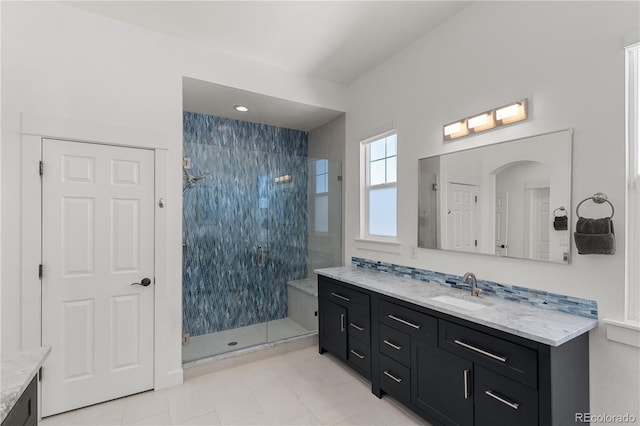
<point>367,187</point>
<point>632,81</point>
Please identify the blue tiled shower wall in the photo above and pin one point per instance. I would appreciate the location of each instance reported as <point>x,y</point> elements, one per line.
<point>557,302</point>
<point>239,207</point>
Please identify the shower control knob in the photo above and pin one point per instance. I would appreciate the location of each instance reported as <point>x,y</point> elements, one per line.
<point>145,282</point>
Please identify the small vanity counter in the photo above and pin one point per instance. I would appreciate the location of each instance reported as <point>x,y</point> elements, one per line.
<point>17,372</point>
<point>538,324</point>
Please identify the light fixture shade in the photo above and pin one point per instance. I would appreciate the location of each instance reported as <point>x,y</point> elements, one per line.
<point>455,130</point>
<point>512,113</point>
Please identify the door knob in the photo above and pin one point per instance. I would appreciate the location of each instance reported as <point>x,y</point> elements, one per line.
<point>145,282</point>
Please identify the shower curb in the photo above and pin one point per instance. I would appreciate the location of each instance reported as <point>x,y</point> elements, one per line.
<point>220,362</point>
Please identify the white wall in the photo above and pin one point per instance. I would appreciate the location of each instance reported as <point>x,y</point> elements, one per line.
<point>568,59</point>
<point>60,62</point>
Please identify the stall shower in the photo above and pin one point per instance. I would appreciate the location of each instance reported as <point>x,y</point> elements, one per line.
<point>258,217</point>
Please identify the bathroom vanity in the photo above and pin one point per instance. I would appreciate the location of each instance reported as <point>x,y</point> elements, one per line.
<point>19,376</point>
<point>451,359</point>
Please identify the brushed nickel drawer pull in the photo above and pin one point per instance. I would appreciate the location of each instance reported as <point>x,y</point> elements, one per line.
<point>465,376</point>
<point>513,405</point>
<point>393,345</point>
<point>396,379</point>
<point>410,324</point>
<point>473,348</point>
<point>357,327</point>
<point>339,296</point>
<point>357,354</point>
<point>341,323</point>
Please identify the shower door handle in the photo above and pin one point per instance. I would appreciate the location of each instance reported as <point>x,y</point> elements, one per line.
<point>260,255</point>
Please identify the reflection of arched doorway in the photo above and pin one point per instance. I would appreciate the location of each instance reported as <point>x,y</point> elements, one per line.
<point>522,227</point>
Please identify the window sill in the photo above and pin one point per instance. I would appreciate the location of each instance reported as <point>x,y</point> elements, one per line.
<point>386,246</point>
<point>627,332</point>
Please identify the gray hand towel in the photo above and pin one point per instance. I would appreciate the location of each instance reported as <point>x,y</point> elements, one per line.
<point>595,236</point>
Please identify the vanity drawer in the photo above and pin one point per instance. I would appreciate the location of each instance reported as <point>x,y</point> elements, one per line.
<point>395,378</point>
<point>409,321</point>
<point>359,356</point>
<point>499,400</point>
<point>359,327</point>
<point>395,344</point>
<point>341,295</point>
<point>507,358</point>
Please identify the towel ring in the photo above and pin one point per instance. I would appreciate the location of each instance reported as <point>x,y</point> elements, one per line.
<point>561,209</point>
<point>597,198</point>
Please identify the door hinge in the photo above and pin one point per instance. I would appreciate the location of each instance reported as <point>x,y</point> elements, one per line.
<point>40,271</point>
<point>476,243</point>
<point>476,199</point>
<point>40,375</point>
<point>41,168</point>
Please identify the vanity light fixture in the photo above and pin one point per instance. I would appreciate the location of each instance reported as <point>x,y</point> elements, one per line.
<point>240,108</point>
<point>507,114</point>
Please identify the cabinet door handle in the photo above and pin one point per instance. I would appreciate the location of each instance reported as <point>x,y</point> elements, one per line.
<point>389,374</point>
<point>465,376</point>
<point>483,352</point>
<point>357,327</point>
<point>393,345</point>
<point>357,354</point>
<point>505,401</point>
<point>339,296</point>
<point>405,322</point>
<point>341,322</point>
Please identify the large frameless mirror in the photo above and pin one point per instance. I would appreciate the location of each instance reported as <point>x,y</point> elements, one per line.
<point>509,199</point>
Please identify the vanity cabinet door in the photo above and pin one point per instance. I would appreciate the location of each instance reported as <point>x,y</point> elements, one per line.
<point>332,328</point>
<point>441,384</point>
<point>500,401</point>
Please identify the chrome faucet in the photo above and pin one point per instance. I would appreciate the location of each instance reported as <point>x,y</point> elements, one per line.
<point>475,291</point>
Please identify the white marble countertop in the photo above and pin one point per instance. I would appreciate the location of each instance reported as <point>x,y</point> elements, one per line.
<point>16,373</point>
<point>541,325</point>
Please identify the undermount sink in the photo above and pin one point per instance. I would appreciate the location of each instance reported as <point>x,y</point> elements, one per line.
<point>460,303</point>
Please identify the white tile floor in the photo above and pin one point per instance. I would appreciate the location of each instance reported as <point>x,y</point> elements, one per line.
<point>296,388</point>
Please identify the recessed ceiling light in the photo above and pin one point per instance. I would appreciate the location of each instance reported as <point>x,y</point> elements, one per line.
<point>240,108</point>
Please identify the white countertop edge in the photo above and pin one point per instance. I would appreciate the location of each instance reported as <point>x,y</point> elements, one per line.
<point>566,326</point>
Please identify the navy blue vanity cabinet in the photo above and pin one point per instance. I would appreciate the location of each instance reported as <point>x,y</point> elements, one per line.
<point>400,330</point>
<point>449,370</point>
<point>442,385</point>
<point>25,411</point>
<point>504,375</point>
<point>344,324</point>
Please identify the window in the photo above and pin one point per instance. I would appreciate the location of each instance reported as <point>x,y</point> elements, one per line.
<point>633,182</point>
<point>380,186</point>
<point>321,205</point>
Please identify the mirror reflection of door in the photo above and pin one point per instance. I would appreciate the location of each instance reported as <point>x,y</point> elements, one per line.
<point>461,216</point>
<point>539,222</point>
<point>502,223</point>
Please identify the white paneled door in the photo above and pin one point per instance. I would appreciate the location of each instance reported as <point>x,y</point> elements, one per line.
<point>98,272</point>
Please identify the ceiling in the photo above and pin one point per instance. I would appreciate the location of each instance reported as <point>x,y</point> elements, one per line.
<point>336,41</point>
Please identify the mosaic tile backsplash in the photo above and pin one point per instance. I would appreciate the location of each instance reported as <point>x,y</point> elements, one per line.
<point>239,207</point>
<point>557,302</point>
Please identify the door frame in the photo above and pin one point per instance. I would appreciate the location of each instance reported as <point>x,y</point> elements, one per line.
<point>34,130</point>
